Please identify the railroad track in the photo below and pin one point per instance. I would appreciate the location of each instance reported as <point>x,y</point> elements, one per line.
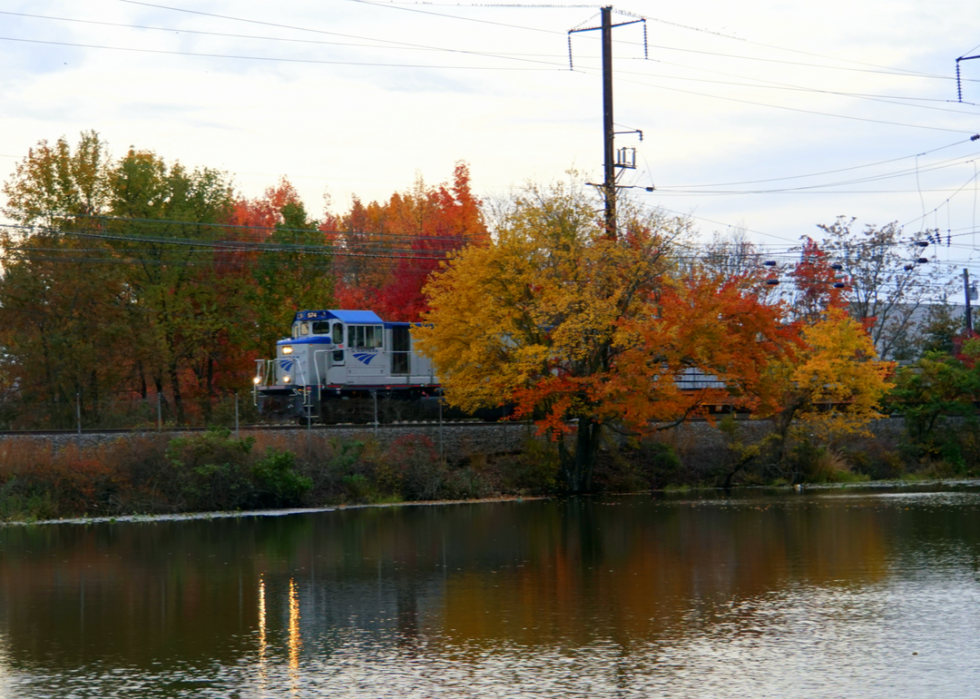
<point>258,427</point>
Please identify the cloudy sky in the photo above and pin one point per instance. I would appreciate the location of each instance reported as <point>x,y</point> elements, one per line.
<point>773,116</point>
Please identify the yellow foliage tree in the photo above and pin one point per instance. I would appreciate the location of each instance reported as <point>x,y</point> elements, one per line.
<point>580,331</point>
<point>836,385</point>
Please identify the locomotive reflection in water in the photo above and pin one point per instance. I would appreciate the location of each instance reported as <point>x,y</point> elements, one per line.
<point>346,366</point>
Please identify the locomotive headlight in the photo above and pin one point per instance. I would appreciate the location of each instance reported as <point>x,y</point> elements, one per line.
<point>286,379</point>
<point>287,349</point>
<point>257,380</point>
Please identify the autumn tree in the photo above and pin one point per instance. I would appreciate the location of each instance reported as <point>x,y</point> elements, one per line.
<point>581,332</point>
<point>55,180</point>
<point>817,286</point>
<point>112,282</point>
<point>63,331</point>
<point>62,307</point>
<point>834,386</point>
<point>385,252</point>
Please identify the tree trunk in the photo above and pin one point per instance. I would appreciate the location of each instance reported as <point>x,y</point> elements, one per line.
<point>210,387</point>
<point>142,377</point>
<point>577,468</point>
<point>175,386</point>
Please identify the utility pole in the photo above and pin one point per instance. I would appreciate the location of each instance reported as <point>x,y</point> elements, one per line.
<point>608,126</point>
<point>609,182</point>
<point>966,289</point>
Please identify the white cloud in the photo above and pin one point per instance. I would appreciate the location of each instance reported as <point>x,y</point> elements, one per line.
<point>367,130</point>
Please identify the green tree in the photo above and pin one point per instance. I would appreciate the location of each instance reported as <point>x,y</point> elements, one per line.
<point>938,386</point>
<point>165,224</point>
<point>54,181</point>
<point>62,302</point>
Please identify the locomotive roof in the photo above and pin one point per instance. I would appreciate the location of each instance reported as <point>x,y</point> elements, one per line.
<point>354,317</point>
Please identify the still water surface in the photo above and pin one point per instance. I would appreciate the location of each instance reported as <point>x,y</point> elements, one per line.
<point>853,594</point>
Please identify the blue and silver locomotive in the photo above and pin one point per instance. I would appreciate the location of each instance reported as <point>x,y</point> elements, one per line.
<point>336,365</point>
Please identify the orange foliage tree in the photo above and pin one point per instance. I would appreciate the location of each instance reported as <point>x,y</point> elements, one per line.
<point>581,332</point>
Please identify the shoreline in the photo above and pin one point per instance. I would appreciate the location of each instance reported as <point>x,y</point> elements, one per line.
<point>890,484</point>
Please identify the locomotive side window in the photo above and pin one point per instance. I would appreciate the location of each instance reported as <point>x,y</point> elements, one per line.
<point>337,337</point>
<point>321,327</point>
<point>365,336</point>
<point>401,350</point>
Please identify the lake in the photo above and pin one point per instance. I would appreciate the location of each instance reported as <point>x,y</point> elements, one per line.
<point>853,593</point>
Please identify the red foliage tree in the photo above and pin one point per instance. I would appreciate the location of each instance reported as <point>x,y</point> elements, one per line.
<point>386,252</point>
<point>816,284</point>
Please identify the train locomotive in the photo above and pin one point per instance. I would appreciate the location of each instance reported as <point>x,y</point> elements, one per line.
<point>340,365</point>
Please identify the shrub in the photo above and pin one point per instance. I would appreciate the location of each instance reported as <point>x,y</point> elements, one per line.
<point>640,465</point>
<point>276,482</point>
<point>213,470</point>
<point>534,470</point>
<point>422,471</point>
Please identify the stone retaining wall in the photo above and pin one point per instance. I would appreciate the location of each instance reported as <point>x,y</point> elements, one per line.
<point>695,442</point>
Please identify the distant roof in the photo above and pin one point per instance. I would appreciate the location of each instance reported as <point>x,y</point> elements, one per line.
<point>363,317</point>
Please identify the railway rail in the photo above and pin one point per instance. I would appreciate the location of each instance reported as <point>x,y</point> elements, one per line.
<point>259,427</point>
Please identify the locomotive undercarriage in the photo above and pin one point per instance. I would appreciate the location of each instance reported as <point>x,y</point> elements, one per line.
<point>363,407</point>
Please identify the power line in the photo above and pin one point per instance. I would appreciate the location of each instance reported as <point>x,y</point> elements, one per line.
<point>395,44</point>
<point>799,51</point>
<point>974,178</point>
<point>773,85</point>
<point>824,172</point>
<point>255,229</point>
<point>266,58</point>
<point>806,65</point>
<point>942,165</point>
<point>790,109</point>
<point>441,14</point>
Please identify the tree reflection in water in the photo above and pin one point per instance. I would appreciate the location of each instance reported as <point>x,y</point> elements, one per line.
<point>644,574</point>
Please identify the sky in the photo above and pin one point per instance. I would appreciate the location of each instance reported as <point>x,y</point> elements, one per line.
<point>769,116</point>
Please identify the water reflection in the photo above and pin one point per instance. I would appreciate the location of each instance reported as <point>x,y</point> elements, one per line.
<point>758,594</point>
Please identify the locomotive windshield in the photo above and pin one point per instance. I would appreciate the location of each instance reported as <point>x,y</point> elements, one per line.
<point>321,327</point>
